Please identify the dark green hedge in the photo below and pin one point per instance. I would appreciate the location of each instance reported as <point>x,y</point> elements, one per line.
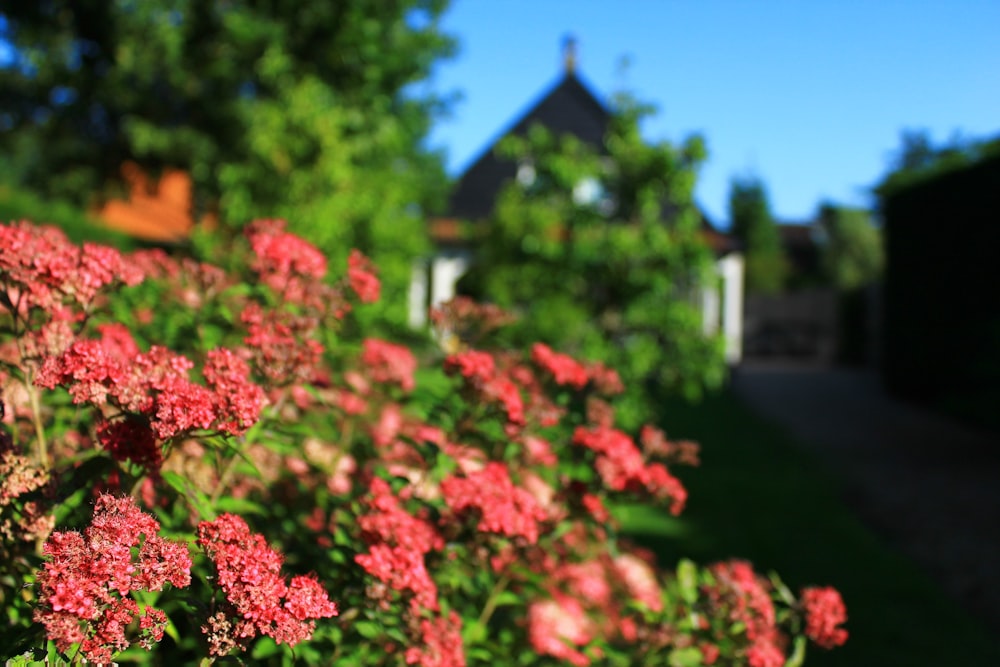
<point>941,341</point>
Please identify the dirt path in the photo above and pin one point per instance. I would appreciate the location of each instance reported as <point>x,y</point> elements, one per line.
<point>929,485</point>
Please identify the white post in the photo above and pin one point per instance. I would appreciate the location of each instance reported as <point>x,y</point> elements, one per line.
<point>418,294</point>
<point>445,272</point>
<point>710,307</point>
<point>731,268</point>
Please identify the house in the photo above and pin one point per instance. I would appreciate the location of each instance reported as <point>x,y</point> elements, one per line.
<point>568,107</point>
<point>158,211</point>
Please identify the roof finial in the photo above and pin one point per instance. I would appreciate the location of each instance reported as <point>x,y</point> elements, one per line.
<point>569,53</point>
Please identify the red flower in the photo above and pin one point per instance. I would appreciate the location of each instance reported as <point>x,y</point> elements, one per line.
<point>131,439</point>
<point>663,485</point>
<point>398,543</point>
<point>709,653</point>
<point>471,364</point>
<point>87,369</point>
<point>825,611</point>
<point>389,363</point>
<point>442,643</point>
<point>362,278</point>
<point>557,627</point>
<point>286,263</point>
<point>249,573</point>
<point>565,370</point>
<point>41,268</point>
<point>503,508</point>
<point>619,461</point>
<point>606,380</point>
<point>744,597</point>
<point>403,570</point>
<point>281,345</point>
<point>507,394</point>
<point>640,580</point>
<point>237,400</point>
<point>85,581</point>
<point>538,451</point>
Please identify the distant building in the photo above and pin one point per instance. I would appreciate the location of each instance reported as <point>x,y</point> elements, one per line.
<point>157,211</point>
<point>802,245</point>
<point>567,108</point>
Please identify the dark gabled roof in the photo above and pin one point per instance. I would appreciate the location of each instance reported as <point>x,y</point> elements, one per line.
<point>801,243</point>
<point>568,108</point>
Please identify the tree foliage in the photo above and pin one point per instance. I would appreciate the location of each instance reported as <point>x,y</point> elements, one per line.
<point>752,223</point>
<point>919,159</point>
<point>601,253</point>
<point>301,110</point>
<point>853,255</point>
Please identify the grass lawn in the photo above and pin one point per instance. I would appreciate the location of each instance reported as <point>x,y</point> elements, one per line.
<point>759,496</point>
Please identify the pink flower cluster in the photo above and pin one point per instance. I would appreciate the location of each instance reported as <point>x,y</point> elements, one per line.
<point>639,578</point>
<point>258,599</point>
<point>361,277</point>
<point>285,262</point>
<point>559,627</point>
<point>745,598</point>
<point>40,267</point>
<point>503,391</point>
<point>467,319</point>
<point>154,392</point>
<point>237,401</point>
<point>825,612</point>
<point>398,543</point>
<point>21,519</point>
<point>503,508</point>
<point>623,467</point>
<point>388,363</point>
<point>281,344</point>
<point>85,582</point>
<point>655,444</point>
<point>500,381</point>
<point>441,643</point>
<point>564,369</point>
<point>471,364</point>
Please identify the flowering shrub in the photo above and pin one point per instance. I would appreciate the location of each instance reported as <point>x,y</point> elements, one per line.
<point>249,478</point>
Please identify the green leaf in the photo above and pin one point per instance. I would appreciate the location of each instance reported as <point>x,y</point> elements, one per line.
<point>685,657</point>
<point>369,629</point>
<point>798,654</point>
<point>687,580</point>
<point>195,498</point>
<point>473,632</point>
<point>507,598</point>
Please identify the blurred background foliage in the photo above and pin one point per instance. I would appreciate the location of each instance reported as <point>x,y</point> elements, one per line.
<point>601,254</point>
<point>754,225</point>
<point>301,110</point>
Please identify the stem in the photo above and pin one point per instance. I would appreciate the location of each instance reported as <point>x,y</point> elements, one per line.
<point>134,492</point>
<point>41,446</point>
<point>230,469</point>
<point>225,478</point>
<point>491,602</point>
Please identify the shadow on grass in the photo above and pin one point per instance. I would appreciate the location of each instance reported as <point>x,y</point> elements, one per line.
<point>760,496</point>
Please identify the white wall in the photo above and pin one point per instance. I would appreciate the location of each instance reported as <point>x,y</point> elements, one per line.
<point>434,281</point>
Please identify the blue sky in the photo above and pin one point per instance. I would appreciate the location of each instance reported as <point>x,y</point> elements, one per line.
<point>811,96</point>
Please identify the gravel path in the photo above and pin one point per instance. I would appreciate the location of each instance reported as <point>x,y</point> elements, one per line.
<point>931,486</point>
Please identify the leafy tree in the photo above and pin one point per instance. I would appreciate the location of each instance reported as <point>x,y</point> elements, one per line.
<point>754,226</point>
<point>302,110</point>
<point>601,254</point>
<point>919,158</point>
<point>853,255</point>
